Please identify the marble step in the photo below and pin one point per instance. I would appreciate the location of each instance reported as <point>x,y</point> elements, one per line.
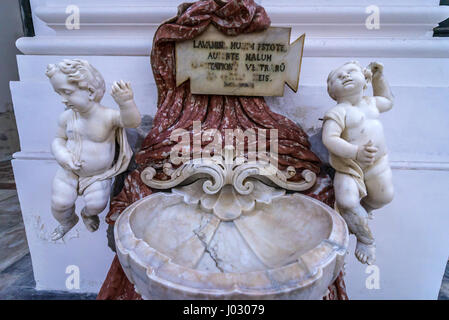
<point>6,175</point>
<point>17,283</point>
<point>13,242</point>
<point>444,291</point>
<point>13,246</point>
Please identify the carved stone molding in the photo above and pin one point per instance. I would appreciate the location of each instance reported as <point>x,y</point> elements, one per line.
<point>227,170</point>
<point>113,28</point>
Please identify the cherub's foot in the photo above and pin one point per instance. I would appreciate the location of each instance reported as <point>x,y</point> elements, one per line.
<point>61,230</point>
<point>91,222</point>
<point>365,253</point>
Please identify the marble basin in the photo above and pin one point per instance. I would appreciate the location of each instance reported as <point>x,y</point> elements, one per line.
<point>266,245</point>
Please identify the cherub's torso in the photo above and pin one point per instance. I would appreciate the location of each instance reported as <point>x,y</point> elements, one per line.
<point>362,125</point>
<point>91,139</point>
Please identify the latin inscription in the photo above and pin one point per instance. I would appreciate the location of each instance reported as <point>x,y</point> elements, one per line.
<point>251,64</point>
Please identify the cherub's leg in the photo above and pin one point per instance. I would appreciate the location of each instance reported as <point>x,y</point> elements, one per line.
<point>356,217</point>
<point>380,189</point>
<point>64,194</point>
<point>368,208</point>
<point>96,197</point>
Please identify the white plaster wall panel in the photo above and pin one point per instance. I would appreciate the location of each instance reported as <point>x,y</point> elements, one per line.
<point>413,72</point>
<point>41,116</point>
<point>135,69</point>
<point>323,3</point>
<point>305,107</point>
<point>411,237</point>
<point>408,135</point>
<point>342,3</point>
<point>115,28</point>
<point>119,20</point>
<point>89,251</point>
<point>313,47</point>
<point>40,27</point>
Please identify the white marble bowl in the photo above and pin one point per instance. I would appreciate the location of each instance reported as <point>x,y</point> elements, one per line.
<point>176,246</point>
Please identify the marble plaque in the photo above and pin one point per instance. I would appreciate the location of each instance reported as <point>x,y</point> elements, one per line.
<point>256,64</point>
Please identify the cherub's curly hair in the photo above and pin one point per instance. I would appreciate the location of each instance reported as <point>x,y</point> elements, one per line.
<point>82,73</point>
<point>366,72</point>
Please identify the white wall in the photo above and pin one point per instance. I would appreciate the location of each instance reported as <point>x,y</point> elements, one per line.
<point>411,232</point>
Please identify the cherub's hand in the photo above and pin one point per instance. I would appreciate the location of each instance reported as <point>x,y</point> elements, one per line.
<point>67,162</point>
<point>366,154</point>
<point>376,68</point>
<point>122,92</point>
<point>72,165</point>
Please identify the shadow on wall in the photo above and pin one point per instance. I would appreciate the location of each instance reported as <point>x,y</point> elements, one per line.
<point>11,30</point>
<point>443,27</point>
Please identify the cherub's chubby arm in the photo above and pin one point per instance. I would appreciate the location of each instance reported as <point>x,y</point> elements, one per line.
<point>129,114</point>
<point>58,147</point>
<point>334,143</point>
<point>381,90</point>
<point>342,148</point>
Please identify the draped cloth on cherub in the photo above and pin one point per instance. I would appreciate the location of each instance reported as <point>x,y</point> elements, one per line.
<point>120,165</point>
<point>345,165</point>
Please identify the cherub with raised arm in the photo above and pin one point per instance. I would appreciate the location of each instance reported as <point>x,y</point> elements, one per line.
<point>85,142</point>
<point>353,134</point>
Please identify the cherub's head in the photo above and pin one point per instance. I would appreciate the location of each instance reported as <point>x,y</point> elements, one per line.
<point>348,79</point>
<point>77,82</point>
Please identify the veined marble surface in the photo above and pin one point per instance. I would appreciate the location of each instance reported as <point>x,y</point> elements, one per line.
<point>180,245</point>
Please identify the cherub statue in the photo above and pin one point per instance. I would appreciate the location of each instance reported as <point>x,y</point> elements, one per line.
<point>85,142</point>
<point>355,139</point>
